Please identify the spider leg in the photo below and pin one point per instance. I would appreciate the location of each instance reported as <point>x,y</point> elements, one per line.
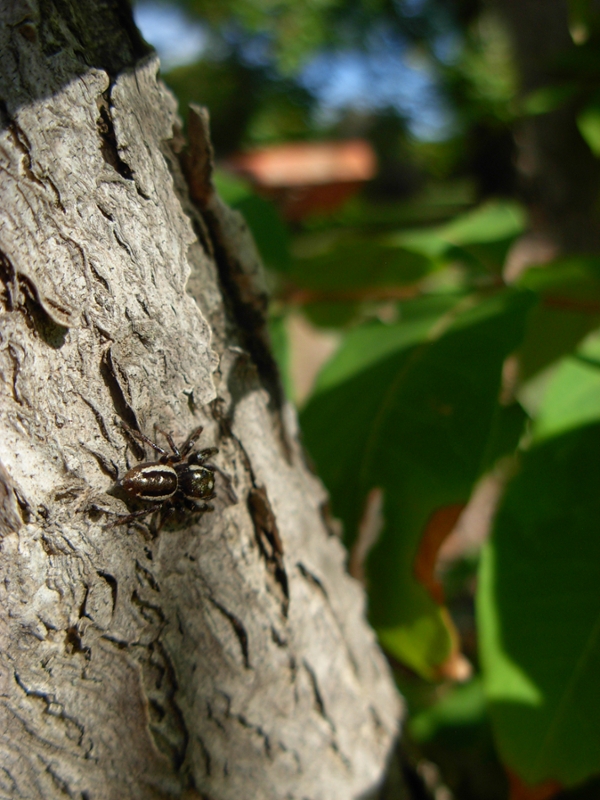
<point>202,455</point>
<point>169,438</point>
<point>191,441</point>
<point>163,518</point>
<point>201,509</point>
<point>143,438</point>
<point>124,519</point>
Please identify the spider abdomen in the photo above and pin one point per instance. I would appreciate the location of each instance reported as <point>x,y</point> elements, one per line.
<point>150,481</point>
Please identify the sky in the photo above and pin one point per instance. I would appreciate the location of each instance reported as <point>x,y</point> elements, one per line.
<point>388,74</point>
<point>178,39</point>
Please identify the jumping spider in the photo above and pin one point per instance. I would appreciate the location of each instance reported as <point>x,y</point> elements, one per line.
<point>175,479</point>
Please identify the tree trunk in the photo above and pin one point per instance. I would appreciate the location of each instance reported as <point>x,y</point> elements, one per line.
<point>560,176</point>
<point>226,656</point>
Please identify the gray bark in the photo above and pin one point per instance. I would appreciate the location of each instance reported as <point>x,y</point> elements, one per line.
<point>228,655</point>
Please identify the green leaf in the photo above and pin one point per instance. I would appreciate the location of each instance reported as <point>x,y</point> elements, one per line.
<point>548,98</point>
<point>588,123</point>
<point>231,188</point>
<point>462,706</point>
<point>331,314</point>
<point>375,341</point>
<point>572,396</point>
<point>281,349</point>
<point>482,235</point>
<point>569,309</point>
<point>571,277</point>
<point>426,241</point>
<point>507,429</point>
<point>269,231</point>
<point>338,265</point>
<point>341,263</point>
<point>409,408</point>
<point>539,613</point>
<point>490,222</point>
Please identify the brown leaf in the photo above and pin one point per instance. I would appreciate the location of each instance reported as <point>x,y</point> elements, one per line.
<point>439,526</point>
<point>519,790</point>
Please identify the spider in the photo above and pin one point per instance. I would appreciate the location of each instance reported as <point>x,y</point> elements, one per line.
<point>174,479</point>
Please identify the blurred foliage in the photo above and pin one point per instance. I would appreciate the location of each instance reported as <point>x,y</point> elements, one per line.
<point>430,383</point>
<point>539,611</point>
<point>245,102</point>
<point>291,31</point>
<point>447,370</point>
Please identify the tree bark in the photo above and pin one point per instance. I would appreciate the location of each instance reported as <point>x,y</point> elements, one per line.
<point>227,656</point>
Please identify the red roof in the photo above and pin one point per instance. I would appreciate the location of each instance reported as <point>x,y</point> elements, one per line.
<point>307,163</point>
<point>291,173</point>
